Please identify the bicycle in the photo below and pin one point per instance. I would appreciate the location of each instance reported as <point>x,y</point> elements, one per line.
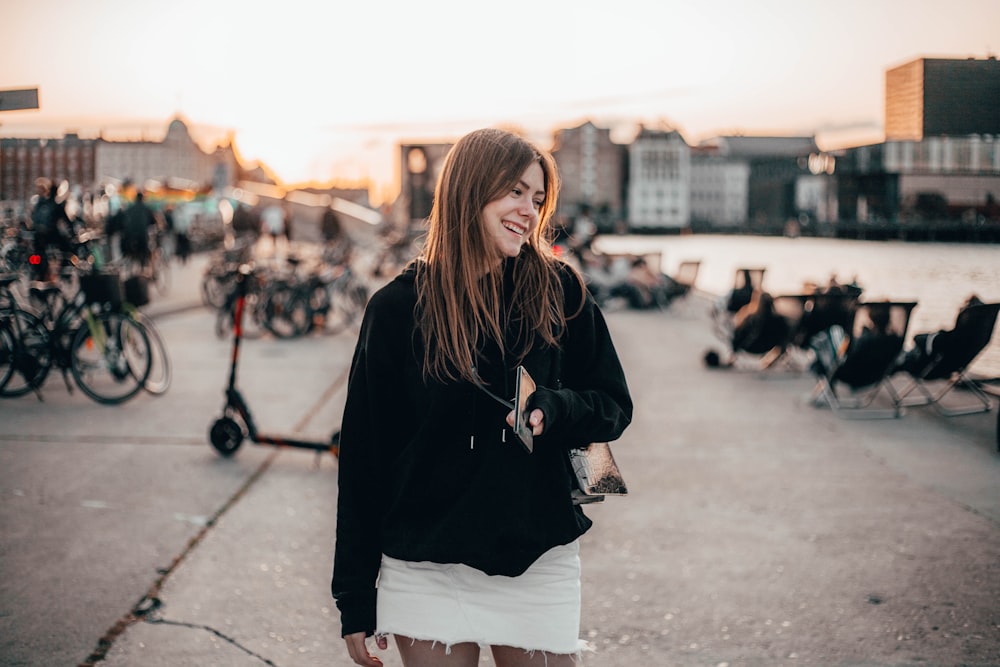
<point>136,294</point>
<point>337,299</point>
<point>107,352</point>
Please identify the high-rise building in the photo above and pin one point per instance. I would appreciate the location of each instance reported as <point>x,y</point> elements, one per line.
<point>931,97</point>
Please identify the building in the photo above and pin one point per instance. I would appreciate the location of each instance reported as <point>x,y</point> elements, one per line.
<point>592,169</point>
<point>719,189</point>
<point>659,180</point>
<point>419,168</point>
<point>69,158</point>
<point>775,166</point>
<point>941,157</point>
<point>930,97</point>
<point>177,156</point>
<point>934,179</point>
<point>89,163</point>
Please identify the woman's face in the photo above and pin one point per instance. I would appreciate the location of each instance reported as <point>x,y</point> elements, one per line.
<point>511,218</point>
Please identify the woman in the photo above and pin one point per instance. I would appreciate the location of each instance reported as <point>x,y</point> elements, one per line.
<point>472,538</point>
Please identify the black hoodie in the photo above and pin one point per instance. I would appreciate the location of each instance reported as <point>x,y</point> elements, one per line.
<point>430,471</point>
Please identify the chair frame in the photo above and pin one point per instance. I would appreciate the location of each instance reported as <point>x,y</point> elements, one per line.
<point>934,371</point>
<point>860,405</point>
<point>685,276</point>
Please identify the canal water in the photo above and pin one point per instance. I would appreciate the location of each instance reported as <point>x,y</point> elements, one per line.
<point>938,276</point>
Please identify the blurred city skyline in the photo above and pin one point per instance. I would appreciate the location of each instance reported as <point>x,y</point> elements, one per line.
<point>319,92</point>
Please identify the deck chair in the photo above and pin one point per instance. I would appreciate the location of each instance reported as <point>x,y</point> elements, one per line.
<point>685,277</point>
<point>760,333</point>
<point>945,365</point>
<point>822,310</point>
<point>807,315</point>
<point>861,360</point>
<point>745,284</point>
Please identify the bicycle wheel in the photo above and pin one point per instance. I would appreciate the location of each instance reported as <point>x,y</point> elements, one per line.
<point>286,312</point>
<point>111,357</point>
<point>215,288</point>
<point>30,357</point>
<point>347,300</point>
<point>6,355</point>
<point>161,371</point>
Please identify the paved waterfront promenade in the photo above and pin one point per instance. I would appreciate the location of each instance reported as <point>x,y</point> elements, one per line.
<point>759,530</point>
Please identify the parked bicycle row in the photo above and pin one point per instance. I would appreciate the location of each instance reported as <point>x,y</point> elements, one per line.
<point>86,323</point>
<point>310,290</point>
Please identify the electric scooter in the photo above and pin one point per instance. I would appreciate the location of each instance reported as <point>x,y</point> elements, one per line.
<point>227,434</point>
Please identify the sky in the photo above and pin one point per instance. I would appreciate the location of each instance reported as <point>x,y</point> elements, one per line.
<point>326,90</point>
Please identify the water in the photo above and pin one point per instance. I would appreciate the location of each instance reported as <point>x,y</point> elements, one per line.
<point>938,276</point>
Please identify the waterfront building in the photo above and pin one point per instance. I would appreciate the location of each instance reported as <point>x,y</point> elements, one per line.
<point>719,189</point>
<point>932,97</point>
<point>931,180</point>
<point>592,168</point>
<point>940,161</point>
<point>775,166</point>
<point>659,180</point>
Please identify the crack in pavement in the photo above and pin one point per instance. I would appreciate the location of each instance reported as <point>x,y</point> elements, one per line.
<point>150,602</point>
<point>146,603</point>
<point>208,628</point>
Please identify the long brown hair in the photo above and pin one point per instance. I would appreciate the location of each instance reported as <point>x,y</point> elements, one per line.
<point>458,284</point>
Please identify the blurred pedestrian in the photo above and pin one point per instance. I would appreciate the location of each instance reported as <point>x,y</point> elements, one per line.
<point>137,224</point>
<point>182,227</point>
<point>48,226</point>
<point>272,220</point>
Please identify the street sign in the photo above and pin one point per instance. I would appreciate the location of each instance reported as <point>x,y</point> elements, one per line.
<point>14,100</point>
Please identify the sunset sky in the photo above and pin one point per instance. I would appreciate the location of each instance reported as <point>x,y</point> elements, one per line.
<point>326,90</point>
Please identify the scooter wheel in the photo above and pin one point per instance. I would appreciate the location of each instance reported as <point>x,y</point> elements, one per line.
<point>226,436</point>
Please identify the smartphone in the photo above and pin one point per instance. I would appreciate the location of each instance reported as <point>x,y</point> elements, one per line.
<point>523,388</point>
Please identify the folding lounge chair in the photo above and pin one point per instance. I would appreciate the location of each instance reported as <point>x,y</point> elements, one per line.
<point>807,315</point>
<point>823,310</point>
<point>862,360</point>
<point>948,364</point>
<point>759,341</point>
<point>746,282</point>
<point>685,277</point>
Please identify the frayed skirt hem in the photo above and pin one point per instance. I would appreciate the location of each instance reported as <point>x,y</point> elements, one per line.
<point>581,647</point>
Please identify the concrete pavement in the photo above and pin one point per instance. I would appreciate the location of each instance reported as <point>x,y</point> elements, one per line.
<point>759,530</point>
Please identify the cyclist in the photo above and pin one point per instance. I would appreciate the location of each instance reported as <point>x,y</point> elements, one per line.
<point>48,217</point>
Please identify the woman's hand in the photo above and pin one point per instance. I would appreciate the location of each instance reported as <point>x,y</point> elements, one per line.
<point>359,651</point>
<point>536,419</point>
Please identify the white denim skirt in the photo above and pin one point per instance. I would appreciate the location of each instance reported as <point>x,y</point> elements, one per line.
<point>453,604</point>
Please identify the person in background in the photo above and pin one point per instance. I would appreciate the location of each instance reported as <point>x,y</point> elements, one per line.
<point>472,538</point>
<point>273,221</point>
<point>48,222</point>
<point>182,239</point>
<point>137,224</point>
<point>334,236</point>
<point>246,224</point>
<point>928,345</point>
